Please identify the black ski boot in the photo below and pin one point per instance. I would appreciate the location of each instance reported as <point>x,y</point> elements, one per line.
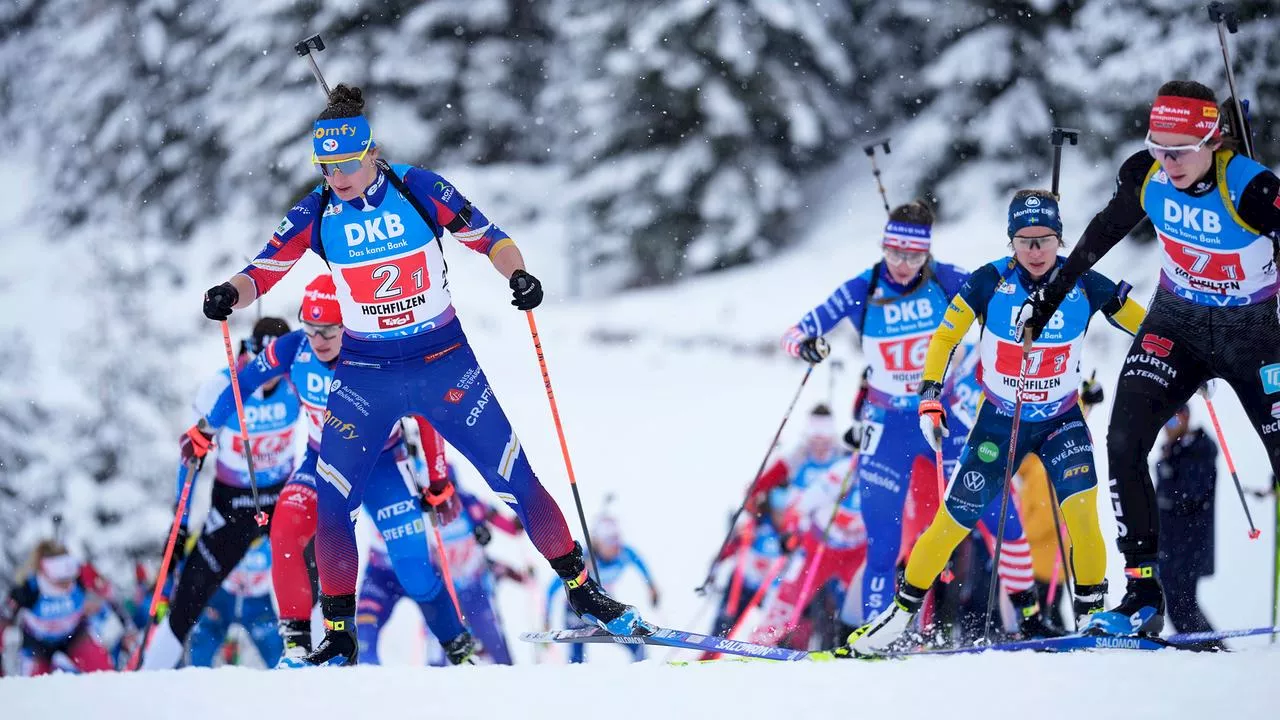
<point>1088,601</point>
<point>461,650</point>
<point>339,646</point>
<point>1141,610</point>
<point>297,643</point>
<point>591,603</point>
<point>1031,622</point>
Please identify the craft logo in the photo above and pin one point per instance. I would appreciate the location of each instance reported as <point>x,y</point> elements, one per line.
<point>1161,347</point>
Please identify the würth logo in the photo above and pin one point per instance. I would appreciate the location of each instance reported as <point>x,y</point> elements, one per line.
<point>1156,345</point>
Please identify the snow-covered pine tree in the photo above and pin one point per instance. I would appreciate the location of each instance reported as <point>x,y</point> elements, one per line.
<point>688,123</point>
<point>989,103</point>
<point>1118,54</point>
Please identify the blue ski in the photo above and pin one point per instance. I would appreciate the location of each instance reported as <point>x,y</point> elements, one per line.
<point>1098,642</point>
<point>667,637</point>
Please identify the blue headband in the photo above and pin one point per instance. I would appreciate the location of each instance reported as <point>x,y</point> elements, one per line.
<point>340,139</point>
<point>1034,210</point>
<point>907,236</point>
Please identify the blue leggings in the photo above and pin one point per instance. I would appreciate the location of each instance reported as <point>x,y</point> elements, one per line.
<point>437,376</point>
<point>255,614</point>
<point>397,515</point>
<point>380,592</point>
<point>884,477</point>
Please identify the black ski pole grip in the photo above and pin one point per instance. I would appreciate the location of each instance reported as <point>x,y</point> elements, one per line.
<point>305,47</point>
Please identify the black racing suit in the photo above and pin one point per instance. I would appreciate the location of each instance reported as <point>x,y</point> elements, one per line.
<point>1180,345</point>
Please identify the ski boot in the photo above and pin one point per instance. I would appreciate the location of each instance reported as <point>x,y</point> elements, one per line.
<point>1088,601</point>
<point>1141,610</point>
<point>461,650</point>
<point>339,646</point>
<point>590,602</point>
<point>297,643</point>
<point>1031,622</point>
<point>874,637</point>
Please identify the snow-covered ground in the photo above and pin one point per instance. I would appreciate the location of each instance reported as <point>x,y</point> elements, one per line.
<point>668,398</point>
<point>1132,687</point>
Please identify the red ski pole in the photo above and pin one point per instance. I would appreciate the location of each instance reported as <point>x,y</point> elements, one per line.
<point>444,560</point>
<point>735,585</point>
<point>1254,532</point>
<point>564,446</point>
<point>163,573</point>
<point>259,514</point>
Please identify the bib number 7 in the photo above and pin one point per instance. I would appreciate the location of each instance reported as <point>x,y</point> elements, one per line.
<point>1203,264</point>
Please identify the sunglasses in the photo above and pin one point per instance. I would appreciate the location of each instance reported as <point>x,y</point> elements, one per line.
<point>346,167</point>
<point>327,332</point>
<point>901,257</point>
<point>1177,152</point>
<point>1029,243</point>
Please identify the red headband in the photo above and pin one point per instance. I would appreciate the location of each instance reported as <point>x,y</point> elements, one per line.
<point>1183,116</point>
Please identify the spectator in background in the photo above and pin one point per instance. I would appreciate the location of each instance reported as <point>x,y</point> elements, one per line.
<point>1186,478</point>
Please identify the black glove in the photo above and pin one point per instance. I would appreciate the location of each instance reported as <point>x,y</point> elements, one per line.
<point>814,350</point>
<point>852,437</point>
<point>482,533</point>
<point>1091,391</point>
<point>219,300</point>
<point>1039,307</point>
<point>526,290</point>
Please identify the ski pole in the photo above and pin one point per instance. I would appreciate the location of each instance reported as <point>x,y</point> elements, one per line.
<point>258,513</point>
<point>564,447</point>
<point>1062,560</point>
<point>1254,532</point>
<point>304,49</point>
<point>1224,16</point>
<point>1275,555</point>
<point>870,150</point>
<point>947,574</point>
<point>444,566</point>
<point>163,572</point>
<point>811,569</point>
<point>1057,137</point>
<point>414,486</point>
<point>1008,480</point>
<point>733,521</point>
<point>735,585</point>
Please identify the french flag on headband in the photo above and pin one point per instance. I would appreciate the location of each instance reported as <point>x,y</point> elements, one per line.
<point>907,236</point>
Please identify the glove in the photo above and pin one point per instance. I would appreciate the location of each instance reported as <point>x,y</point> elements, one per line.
<point>1091,391</point>
<point>482,533</point>
<point>933,419</point>
<point>852,437</point>
<point>194,445</point>
<point>526,290</point>
<point>654,596</point>
<point>814,350</point>
<point>444,501</point>
<point>1038,309</point>
<point>219,301</point>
